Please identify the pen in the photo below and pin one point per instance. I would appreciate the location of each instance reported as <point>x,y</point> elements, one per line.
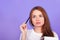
<point>27,20</point>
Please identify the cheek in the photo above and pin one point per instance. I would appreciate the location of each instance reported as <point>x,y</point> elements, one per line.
<point>42,21</point>
<point>33,21</point>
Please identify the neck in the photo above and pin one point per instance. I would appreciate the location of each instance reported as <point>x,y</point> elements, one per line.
<point>37,29</point>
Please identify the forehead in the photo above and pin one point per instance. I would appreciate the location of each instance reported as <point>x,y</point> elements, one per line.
<point>36,12</point>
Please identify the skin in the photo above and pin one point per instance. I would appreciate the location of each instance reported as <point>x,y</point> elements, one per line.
<point>37,20</point>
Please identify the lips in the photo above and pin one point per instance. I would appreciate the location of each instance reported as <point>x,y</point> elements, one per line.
<point>38,22</point>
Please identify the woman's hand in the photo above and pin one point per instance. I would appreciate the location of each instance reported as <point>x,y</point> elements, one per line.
<point>23,28</point>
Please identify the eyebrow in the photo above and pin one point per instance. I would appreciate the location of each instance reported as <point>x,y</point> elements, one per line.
<point>34,15</point>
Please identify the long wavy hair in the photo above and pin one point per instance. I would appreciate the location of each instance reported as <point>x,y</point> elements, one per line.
<point>46,29</point>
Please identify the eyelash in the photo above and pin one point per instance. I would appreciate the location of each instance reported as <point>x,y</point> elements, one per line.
<point>39,16</point>
<point>34,16</point>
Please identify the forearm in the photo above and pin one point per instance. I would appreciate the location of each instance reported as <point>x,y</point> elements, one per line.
<point>23,36</point>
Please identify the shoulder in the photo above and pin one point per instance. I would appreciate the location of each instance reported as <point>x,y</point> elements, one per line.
<point>52,38</point>
<point>29,30</point>
<point>55,35</point>
<point>28,33</point>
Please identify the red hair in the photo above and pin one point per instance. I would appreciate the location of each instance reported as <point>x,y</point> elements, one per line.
<point>46,29</point>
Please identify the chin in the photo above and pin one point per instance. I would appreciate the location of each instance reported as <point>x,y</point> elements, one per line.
<point>38,25</point>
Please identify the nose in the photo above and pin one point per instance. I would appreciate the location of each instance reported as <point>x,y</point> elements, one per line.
<point>37,18</point>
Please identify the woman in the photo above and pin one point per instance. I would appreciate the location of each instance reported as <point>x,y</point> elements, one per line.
<point>41,26</point>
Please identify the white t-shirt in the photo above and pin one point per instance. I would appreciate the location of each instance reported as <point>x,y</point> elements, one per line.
<point>32,35</point>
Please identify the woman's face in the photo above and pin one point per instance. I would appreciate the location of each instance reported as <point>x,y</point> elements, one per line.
<point>37,18</point>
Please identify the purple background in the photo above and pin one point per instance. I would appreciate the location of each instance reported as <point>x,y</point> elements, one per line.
<point>14,12</point>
